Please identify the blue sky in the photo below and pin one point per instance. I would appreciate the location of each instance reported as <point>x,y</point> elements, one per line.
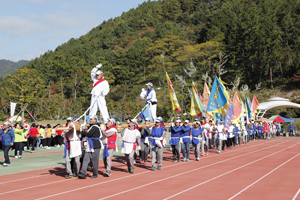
<point>28,28</point>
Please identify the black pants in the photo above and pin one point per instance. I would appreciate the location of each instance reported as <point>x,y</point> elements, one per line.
<point>58,139</point>
<point>176,152</point>
<point>18,147</point>
<point>33,143</point>
<point>48,142</point>
<point>6,150</point>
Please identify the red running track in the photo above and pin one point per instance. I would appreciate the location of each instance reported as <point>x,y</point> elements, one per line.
<point>261,169</point>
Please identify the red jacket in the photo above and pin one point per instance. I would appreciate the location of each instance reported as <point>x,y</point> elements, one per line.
<point>33,132</point>
<point>111,141</point>
<point>265,128</point>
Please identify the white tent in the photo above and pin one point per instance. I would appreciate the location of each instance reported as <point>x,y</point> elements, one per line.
<point>275,102</point>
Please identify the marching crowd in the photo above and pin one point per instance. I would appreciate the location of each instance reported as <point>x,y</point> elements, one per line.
<point>83,147</point>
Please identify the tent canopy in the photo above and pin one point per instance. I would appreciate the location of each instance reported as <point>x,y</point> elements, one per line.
<point>263,120</point>
<point>285,119</point>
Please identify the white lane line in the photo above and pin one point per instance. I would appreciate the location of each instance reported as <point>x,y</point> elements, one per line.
<point>294,198</point>
<point>34,186</point>
<point>263,177</point>
<point>182,173</point>
<point>147,172</point>
<point>226,173</point>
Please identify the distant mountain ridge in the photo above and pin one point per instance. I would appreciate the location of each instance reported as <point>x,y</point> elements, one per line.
<point>8,67</point>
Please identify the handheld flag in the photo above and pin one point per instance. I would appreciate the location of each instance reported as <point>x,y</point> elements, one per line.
<point>249,107</point>
<point>206,94</point>
<point>237,108</point>
<point>228,116</point>
<point>218,98</point>
<point>174,101</point>
<point>254,105</point>
<point>195,104</point>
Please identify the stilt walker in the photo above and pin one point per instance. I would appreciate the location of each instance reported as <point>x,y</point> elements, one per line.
<point>99,91</point>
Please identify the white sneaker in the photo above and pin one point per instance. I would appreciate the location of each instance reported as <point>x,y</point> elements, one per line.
<point>16,156</point>
<point>187,160</point>
<point>218,151</point>
<point>5,164</point>
<point>184,159</point>
<point>197,159</point>
<point>57,146</point>
<point>20,157</point>
<point>48,148</point>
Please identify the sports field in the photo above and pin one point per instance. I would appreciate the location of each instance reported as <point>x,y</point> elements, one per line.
<point>261,169</point>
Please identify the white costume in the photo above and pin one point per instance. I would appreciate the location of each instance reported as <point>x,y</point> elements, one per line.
<point>150,97</point>
<point>98,95</point>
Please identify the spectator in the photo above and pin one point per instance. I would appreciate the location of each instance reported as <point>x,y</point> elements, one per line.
<point>19,132</point>
<point>32,135</point>
<point>8,139</point>
<point>48,134</point>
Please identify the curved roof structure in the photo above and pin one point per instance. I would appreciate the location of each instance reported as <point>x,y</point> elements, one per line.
<point>275,102</point>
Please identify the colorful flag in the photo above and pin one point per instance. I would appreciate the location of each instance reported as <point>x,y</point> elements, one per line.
<point>237,108</point>
<point>254,105</point>
<point>242,115</point>
<point>174,101</point>
<point>206,94</point>
<point>249,107</point>
<point>195,104</point>
<point>228,116</point>
<point>218,98</point>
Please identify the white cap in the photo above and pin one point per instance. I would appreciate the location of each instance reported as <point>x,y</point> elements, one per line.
<point>99,72</point>
<point>69,119</point>
<point>147,119</point>
<point>94,117</point>
<point>150,84</point>
<point>186,121</point>
<point>160,118</point>
<point>197,122</point>
<point>134,121</point>
<point>178,121</point>
<point>113,121</point>
<point>6,123</point>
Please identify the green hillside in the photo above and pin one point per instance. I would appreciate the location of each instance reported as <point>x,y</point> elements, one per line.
<point>8,67</point>
<point>259,41</point>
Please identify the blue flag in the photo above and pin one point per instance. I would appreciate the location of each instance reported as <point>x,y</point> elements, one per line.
<point>146,114</point>
<point>218,100</point>
<point>228,116</point>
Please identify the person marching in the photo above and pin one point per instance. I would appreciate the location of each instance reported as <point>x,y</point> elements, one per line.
<point>185,140</point>
<point>254,130</point>
<point>206,136</point>
<point>230,139</point>
<point>244,132</point>
<point>99,91</point>
<point>8,139</point>
<point>237,136</point>
<point>109,139</point>
<point>265,130</point>
<point>259,131</point>
<point>131,138</point>
<point>145,146</point>
<point>220,132</point>
<point>93,146</point>
<point>72,149</point>
<point>158,133</point>
<point>175,130</point>
<point>196,139</point>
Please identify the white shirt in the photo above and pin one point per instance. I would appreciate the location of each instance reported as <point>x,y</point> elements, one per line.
<point>230,130</point>
<point>129,139</point>
<point>151,96</point>
<point>102,88</point>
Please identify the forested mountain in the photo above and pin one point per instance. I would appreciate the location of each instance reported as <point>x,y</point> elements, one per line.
<point>259,41</point>
<point>8,67</point>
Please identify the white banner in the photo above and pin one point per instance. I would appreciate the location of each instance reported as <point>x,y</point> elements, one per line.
<point>12,108</point>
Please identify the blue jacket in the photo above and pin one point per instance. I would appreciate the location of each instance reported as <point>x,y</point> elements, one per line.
<point>8,137</point>
<point>259,129</point>
<point>175,134</point>
<point>195,134</point>
<point>186,131</point>
<point>291,127</point>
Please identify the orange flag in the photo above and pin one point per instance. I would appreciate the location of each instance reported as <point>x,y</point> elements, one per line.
<point>205,97</point>
<point>237,108</point>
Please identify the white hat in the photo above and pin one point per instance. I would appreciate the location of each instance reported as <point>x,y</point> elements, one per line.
<point>160,118</point>
<point>6,123</point>
<point>178,121</point>
<point>69,119</point>
<point>147,119</point>
<point>99,72</point>
<point>150,84</point>
<point>197,122</point>
<point>186,121</point>
<point>134,121</point>
<point>113,121</point>
<point>94,117</point>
